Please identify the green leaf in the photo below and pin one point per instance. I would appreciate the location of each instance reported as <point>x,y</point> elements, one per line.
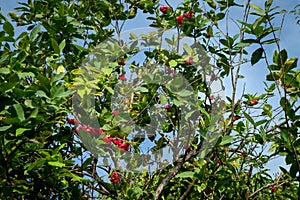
<point>249,118</point>
<point>34,32</point>
<point>56,164</point>
<point>55,151</point>
<point>20,131</point>
<point>80,48</point>
<point>41,93</point>
<point>3,58</point>
<point>188,49</point>
<point>185,93</point>
<point>62,46</point>
<point>60,69</point>
<point>8,28</point>
<point>59,92</point>
<point>4,128</point>
<point>290,64</point>
<point>37,164</point>
<point>257,55</point>
<point>226,140</point>
<point>187,174</point>
<point>55,46</point>
<point>173,63</point>
<point>20,112</point>
<point>4,70</point>
<point>258,9</point>
<point>245,43</point>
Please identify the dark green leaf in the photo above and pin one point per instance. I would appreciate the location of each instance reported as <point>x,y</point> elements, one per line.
<point>257,55</point>
<point>8,28</point>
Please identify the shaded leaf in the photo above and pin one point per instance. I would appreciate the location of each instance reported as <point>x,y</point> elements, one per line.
<point>257,55</point>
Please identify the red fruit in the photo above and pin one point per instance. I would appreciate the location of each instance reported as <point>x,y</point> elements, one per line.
<point>189,61</point>
<point>211,97</point>
<point>122,77</point>
<point>100,131</point>
<point>207,35</point>
<point>117,142</point>
<point>115,112</point>
<point>185,15</point>
<point>273,188</point>
<point>188,148</point>
<point>219,161</point>
<point>124,147</point>
<point>167,107</point>
<point>71,121</point>
<point>76,130</point>
<point>236,118</point>
<point>164,9</point>
<point>188,15</point>
<point>121,63</point>
<point>114,178</point>
<point>108,139</point>
<point>76,122</point>
<point>179,19</point>
<point>83,127</point>
<point>253,102</point>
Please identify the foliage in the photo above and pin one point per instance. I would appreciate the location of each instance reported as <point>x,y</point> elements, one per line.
<point>43,151</point>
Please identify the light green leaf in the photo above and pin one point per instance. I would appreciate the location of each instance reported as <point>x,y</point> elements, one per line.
<point>142,89</point>
<point>41,93</point>
<point>56,164</point>
<point>226,140</point>
<point>20,131</point>
<point>55,151</point>
<point>187,48</point>
<point>257,8</point>
<point>60,69</point>
<point>4,70</point>
<point>62,46</point>
<point>34,32</point>
<point>107,70</point>
<point>20,112</point>
<point>185,93</point>
<point>37,164</point>
<point>4,128</point>
<point>173,63</point>
<point>187,174</point>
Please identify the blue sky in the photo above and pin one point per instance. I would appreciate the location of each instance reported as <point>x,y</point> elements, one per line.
<point>254,75</point>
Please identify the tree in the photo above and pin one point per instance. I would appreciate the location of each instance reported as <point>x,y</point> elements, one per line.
<point>71,116</point>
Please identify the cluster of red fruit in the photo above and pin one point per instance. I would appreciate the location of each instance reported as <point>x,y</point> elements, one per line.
<point>122,76</point>
<point>114,178</point>
<point>97,132</point>
<point>164,9</point>
<point>119,142</point>
<point>180,18</point>
<point>189,61</point>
